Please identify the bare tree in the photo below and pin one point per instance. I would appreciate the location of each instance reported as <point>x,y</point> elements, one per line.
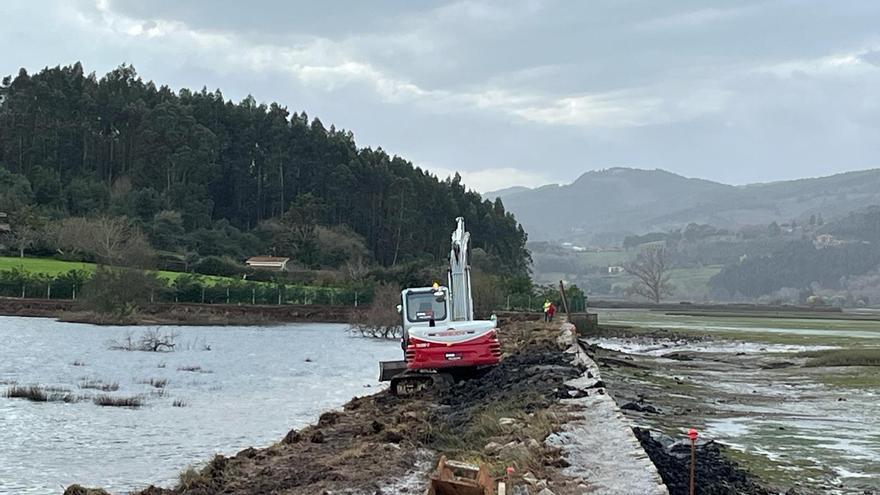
<point>380,319</point>
<point>112,241</point>
<point>27,229</point>
<point>651,270</point>
<point>23,237</point>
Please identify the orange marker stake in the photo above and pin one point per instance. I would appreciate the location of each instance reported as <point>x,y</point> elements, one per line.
<point>692,434</point>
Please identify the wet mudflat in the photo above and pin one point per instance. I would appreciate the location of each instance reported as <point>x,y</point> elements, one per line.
<point>760,390</point>
<point>238,387</point>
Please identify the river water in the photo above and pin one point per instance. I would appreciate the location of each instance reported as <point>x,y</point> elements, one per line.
<point>254,385</point>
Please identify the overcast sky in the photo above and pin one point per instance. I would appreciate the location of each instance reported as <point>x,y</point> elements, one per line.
<point>513,92</point>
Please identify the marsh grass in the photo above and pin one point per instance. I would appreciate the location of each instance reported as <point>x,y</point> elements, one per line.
<point>192,369</point>
<point>109,400</point>
<point>33,393</point>
<point>99,385</point>
<point>179,403</point>
<point>155,382</point>
<point>842,357</point>
<point>37,393</point>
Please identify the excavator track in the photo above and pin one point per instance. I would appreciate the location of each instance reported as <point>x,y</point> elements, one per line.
<point>412,383</point>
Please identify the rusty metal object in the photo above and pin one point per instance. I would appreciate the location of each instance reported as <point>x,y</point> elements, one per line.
<point>460,478</point>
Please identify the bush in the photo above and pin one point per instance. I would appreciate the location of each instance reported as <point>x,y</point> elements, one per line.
<point>380,319</point>
<point>119,292</point>
<point>220,266</point>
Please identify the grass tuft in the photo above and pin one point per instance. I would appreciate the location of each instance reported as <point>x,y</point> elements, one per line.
<point>189,368</point>
<point>109,400</point>
<point>155,382</point>
<point>33,393</point>
<point>37,393</point>
<point>99,385</point>
<point>179,403</point>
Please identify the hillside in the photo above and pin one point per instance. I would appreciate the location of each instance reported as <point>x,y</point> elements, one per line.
<point>202,175</point>
<point>602,207</point>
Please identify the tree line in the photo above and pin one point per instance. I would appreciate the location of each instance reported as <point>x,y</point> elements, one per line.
<point>198,173</point>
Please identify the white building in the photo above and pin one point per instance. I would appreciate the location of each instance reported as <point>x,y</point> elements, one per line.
<point>268,263</point>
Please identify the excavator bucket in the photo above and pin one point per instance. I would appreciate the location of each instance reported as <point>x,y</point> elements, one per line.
<point>460,478</point>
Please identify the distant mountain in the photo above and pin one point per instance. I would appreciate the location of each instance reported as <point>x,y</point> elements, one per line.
<point>605,205</point>
<point>502,193</point>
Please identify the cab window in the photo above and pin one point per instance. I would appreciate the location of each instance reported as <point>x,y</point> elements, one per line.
<point>424,306</point>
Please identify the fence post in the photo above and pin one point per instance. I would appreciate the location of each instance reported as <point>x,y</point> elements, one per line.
<point>227,295</point>
<point>279,295</point>
<point>48,291</point>
<point>508,302</point>
<point>203,295</point>
<point>253,295</point>
<point>22,291</point>
<point>74,292</point>
<point>355,298</point>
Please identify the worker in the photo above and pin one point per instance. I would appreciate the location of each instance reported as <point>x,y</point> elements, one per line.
<point>547,305</point>
<point>551,311</point>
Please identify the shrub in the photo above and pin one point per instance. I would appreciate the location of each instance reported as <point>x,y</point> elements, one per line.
<point>220,266</point>
<point>380,319</point>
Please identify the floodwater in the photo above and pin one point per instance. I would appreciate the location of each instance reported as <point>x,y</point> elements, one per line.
<point>817,426</point>
<point>254,384</point>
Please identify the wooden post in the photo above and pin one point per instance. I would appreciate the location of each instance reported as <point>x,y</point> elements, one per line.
<point>564,301</point>
<point>48,291</point>
<point>692,434</point>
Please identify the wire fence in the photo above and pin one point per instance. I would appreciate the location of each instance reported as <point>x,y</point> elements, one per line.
<point>262,294</point>
<point>258,293</point>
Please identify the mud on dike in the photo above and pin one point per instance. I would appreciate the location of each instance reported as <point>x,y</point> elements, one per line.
<point>376,441</point>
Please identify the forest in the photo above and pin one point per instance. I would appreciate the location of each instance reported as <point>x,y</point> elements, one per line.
<point>200,175</point>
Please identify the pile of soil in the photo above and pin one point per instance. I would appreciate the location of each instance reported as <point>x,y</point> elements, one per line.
<point>715,473</point>
<point>378,438</point>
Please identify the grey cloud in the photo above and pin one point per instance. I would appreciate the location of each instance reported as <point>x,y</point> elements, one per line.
<point>733,91</point>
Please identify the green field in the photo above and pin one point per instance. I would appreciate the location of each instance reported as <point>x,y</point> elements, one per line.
<point>53,267</point>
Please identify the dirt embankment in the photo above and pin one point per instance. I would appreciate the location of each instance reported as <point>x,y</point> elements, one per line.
<point>181,313</point>
<point>384,444</point>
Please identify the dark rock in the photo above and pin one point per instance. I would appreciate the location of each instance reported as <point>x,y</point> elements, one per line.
<point>317,437</point>
<point>376,426</point>
<point>392,436</point>
<point>292,436</point>
<point>328,418</point>
<point>716,473</point>
<point>640,407</point>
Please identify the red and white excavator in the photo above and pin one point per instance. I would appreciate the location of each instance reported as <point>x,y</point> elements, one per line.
<point>441,339</point>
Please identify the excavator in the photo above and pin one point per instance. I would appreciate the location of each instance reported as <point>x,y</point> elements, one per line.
<point>442,342</point>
